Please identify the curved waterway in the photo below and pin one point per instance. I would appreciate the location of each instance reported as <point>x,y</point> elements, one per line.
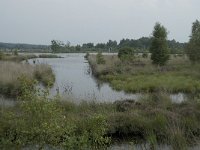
<point>74,81</point>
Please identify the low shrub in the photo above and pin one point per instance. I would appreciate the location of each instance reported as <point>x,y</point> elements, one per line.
<point>126,54</point>
<point>100,59</point>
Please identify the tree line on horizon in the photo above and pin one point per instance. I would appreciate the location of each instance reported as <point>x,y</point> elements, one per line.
<point>159,48</point>
<point>139,45</point>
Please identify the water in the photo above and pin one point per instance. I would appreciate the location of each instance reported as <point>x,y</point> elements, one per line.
<point>74,81</point>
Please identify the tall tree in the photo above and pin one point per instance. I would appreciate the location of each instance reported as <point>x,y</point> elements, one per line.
<point>159,47</point>
<point>193,47</point>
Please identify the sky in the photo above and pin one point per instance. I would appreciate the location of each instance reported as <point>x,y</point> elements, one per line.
<point>83,21</point>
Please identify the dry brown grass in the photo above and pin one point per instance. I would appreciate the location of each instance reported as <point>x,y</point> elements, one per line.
<point>110,62</point>
<point>11,71</point>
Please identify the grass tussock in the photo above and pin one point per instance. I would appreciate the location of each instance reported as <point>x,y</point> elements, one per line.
<point>139,75</point>
<point>49,56</point>
<point>11,71</point>
<point>44,74</point>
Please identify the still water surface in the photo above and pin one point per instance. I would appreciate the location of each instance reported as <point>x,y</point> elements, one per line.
<point>74,81</point>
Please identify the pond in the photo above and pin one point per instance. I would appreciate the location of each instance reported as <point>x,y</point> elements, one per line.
<point>74,81</point>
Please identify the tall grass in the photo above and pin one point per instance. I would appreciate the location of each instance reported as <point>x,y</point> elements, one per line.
<point>18,58</point>
<point>11,71</point>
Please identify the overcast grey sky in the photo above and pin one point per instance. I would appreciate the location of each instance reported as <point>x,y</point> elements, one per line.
<point>80,21</point>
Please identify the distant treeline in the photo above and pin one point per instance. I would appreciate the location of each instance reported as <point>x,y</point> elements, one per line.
<point>23,47</point>
<point>139,45</point>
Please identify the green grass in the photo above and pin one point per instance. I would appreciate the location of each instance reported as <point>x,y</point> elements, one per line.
<point>139,75</point>
<point>152,83</point>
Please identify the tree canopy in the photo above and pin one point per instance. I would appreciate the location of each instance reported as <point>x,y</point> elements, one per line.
<point>193,47</point>
<point>159,46</point>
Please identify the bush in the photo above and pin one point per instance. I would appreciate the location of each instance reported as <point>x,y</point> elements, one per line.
<point>126,53</point>
<point>43,122</point>
<point>100,59</point>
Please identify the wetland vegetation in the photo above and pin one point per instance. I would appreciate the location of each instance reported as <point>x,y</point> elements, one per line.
<point>41,120</point>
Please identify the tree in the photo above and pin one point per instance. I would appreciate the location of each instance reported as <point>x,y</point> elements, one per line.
<point>55,46</point>
<point>100,45</point>
<point>159,47</point>
<point>111,44</point>
<point>193,47</point>
<point>88,45</point>
<point>78,48</point>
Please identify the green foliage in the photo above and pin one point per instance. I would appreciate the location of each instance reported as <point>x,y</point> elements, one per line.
<point>100,45</point>
<point>88,45</point>
<point>55,46</point>
<point>193,47</point>
<point>141,76</point>
<point>100,59</point>
<point>41,121</point>
<point>126,53</point>
<point>78,48</point>
<point>159,48</point>
<point>111,44</point>
<point>27,88</point>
